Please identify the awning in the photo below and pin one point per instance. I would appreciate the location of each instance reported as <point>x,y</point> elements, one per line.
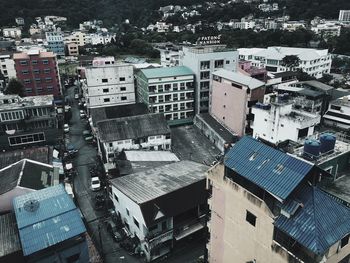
<point>189,230</point>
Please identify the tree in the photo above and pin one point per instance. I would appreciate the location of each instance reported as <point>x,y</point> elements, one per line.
<point>291,62</point>
<point>15,87</point>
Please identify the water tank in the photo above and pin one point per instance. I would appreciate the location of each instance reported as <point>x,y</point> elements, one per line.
<point>327,142</point>
<point>258,105</point>
<point>311,149</point>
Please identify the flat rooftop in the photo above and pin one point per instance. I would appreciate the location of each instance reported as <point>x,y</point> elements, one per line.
<point>151,184</point>
<point>8,102</point>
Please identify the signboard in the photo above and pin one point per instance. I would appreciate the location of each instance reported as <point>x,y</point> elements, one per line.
<point>209,40</point>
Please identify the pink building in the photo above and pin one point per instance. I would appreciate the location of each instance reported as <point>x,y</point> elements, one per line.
<point>246,68</point>
<point>38,72</point>
<point>233,96</point>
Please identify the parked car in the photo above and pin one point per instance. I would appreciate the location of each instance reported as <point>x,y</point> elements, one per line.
<point>95,183</point>
<point>87,136</point>
<point>76,96</point>
<point>117,235</point>
<point>82,114</point>
<point>71,149</point>
<point>66,128</point>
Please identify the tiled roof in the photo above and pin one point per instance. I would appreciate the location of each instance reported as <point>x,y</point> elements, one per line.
<point>276,172</point>
<point>166,72</point>
<point>319,223</point>
<point>53,219</point>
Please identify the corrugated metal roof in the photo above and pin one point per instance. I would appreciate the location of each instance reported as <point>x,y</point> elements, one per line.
<point>166,72</point>
<point>320,223</point>
<point>239,78</point>
<point>56,219</point>
<point>270,169</point>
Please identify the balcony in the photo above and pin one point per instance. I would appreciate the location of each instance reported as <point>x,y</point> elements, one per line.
<point>154,239</point>
<point>189,227</point>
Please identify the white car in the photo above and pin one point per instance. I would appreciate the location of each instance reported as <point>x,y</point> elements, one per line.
<point>66,128</point>
<point>82,114</point>
<point>95,184</point>
<point>76,96</point>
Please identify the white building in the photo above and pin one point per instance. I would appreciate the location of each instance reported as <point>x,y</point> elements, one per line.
<point>7,67</point>
<point>109,84</point>
<point>161,206</point>
<point>327,30</point>
<point>77,37</point>
<point>293,25</point>
<point>148,131</point>
<point>203,61</point>
<point>338,114</point>
<point>13,32</point>
<point>315,62</point>
<point>276,120</point>
<point>344,15</point>
<point>169,57</point>
<point>19,21</point>
<point>99,39</point>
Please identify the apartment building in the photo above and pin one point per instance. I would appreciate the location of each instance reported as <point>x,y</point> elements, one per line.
<point>203,61</point>
<point>38,71</point>
<point>72,49</point>
<point>7,67</point>
<point>344,15</point>
<point>314,62</point>
<point>277,120</point>
<point>162,206</point>
<point>169,57</point>
<point>338,114</point>
<point>12,32</point>
<point>109,84</point>
<point>27,121</point>
<point>168,90</point>
<point>55,43</point>
<point>266,206</point>
<point>327,30</point>
<point>76,37</point>
<point>233,95</point>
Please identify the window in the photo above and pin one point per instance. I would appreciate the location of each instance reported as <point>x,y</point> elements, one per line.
<point>25,72</point>
<point>47,71</point>
<point>23,62</point>
<point>37,80</point>
<point>24,139</point>
<point>123,98</point>
<point>282,125</point>
<point>228,62</point>
<point>106,100</point>
<point>250,218</point>
<point>136,222</point>
<point>34,62</point>
<point>344,241</point>
<point>122,88</point>
<point>105,90</point>
<point>49,79</point>
<point>104,80</point>
<point>49,88</point>
<point>45,62</point>
<point>122,79</point>
<point>27,81</point>
<point>73,258</point>
<point>219,63</point>
<point>116,198</point>
<point>127,212</point>
<point>36,71</point>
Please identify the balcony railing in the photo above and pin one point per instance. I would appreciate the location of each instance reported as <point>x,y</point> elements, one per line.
<point>156,238</point>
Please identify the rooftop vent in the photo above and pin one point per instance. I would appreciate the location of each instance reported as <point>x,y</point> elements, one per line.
<point>31,205</point>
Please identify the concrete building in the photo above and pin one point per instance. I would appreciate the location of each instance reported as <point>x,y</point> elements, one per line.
<point>27,121</point>
<point>277,120</point>
<point>314,62</point>
<point>327,30</point>
<point>280,214</point>
<point>76,37</point>
<point>161,206</point>
<point>168,90</point>
<point>55,43</point>
<point>72,49</point>
<point>7,67</point>
<point>109,84</point>
<point>13,32</point>
<point>149,131</point>
<point>338,114</point>
<point>233,96</point>
<point>344,15</point>
<point>38,71</point>
<point>246,68</point>
<point>19,21</point>
<point>203,61</point>
<point>50,227</point>
<point>169,57</point>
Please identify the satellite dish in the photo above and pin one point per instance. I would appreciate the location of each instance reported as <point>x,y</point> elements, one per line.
<point>31,205</point>
<point>10,132</point>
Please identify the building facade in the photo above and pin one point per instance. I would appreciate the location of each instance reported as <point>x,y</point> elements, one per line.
<point>314,62</point>
<point>233,96</point>
<point>72,49</point>
<point>169,91</point>
<point>27,121</point>
<point>7,67</point>
<point>203,61</point>
<point>338,114</point>
<point>55,43</point>
<point>160,217</point>
<point>13,32</point>
<point>109,84</point>
<point>38,71</point>
<point>280,214</point>
<point>77,37</point>
<point>344,15</point>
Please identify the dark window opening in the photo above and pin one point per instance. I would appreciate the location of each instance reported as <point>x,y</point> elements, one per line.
<point>250,218</point>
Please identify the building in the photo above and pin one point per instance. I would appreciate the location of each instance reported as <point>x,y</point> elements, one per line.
<point>55,43</point>
<point>13,32</point>
<point>327,30</point>
<point>149,131</point>
<point>169,57</point>
<point>27,121</point>
<point>109,84</point>
<point>280,213</point>
<point>19,21</point>
<point>246,68</point>
<point>344,15</point>
<point>38,71</point>
<point>72,49</point>
<point>203,61</point>
<point>161,206</point>
<point>168,90</point>
<point>314,62</point>
<point>50,227</point>
<point>23,177</point>
<point>233,96</point>
<point>7,67</point>
<point>338,114</point>
<point>77,37</point>
<point>277,120</point>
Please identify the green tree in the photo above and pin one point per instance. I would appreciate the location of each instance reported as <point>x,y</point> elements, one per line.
<point>291,62</point>
<point>15,87</point>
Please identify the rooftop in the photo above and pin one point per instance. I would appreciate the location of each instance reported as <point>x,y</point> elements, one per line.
<point>239,78</point>
<point>99,114</point>
<point>9,239</point>
<point>318,85</point>
<point>36,52</point>
<point>274,171</point>
<point>151,156</point>
<point>208,49</point>
<point>8,102</point>
<point>132,127</point>
<point>45,218</point>
<point>320,222</point>
<point>166,72</point>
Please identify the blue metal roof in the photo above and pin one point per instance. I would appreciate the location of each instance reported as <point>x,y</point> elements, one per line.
<point>275,171</point>
<point>319,223</point>
<point>56,219</point>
